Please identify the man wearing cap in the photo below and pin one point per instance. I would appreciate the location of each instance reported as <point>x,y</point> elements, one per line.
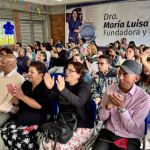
<point>123,110</point>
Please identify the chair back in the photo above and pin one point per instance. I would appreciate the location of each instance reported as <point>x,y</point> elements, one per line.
<point>55,75</point>
<point>93,109</point>
<point>146,126</point>
<point>147,122</point>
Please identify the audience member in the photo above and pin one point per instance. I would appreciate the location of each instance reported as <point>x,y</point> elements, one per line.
<point>74,96</point>
<point>124,109</point>
<point>44,47</point>
<point>145,78</point>
<point>104,77</point>
<point>124,43</point>
<point>23,62</point>
<point>91,58</point>
<point>143,57</point>
<point>130,53</point>
<point>37,46</point>
<point>5,51</point>
<point>33,98</point>
<point>74,51</point>
<point>83,46</point>
<point>59,59</point>
<point>8,75</point>
<point>18,46</point>
<point>86,75</point>
<point>116,59</point>
<point>118,48</point>
<point>30,53</point>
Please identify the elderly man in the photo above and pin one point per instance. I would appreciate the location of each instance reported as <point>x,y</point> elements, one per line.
<point>124,109</point>
<point>9,75</point>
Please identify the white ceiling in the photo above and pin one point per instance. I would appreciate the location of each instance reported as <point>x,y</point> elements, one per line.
<point>59,2</point>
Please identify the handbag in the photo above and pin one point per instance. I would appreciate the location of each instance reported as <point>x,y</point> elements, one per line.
<point>61,129</point>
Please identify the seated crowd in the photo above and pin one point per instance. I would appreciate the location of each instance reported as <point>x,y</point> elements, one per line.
<point>117,79</point>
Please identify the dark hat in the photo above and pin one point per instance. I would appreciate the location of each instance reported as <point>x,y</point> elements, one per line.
<point>59,45</point>
<point>131,67</point>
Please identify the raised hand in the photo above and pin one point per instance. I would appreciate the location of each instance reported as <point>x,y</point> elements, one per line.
<point>49,82</point>
<point>60,83</point>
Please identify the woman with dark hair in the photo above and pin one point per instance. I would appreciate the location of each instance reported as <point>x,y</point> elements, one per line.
<point>37,45</point>
<point>118,48</point>
<point>41,57</point>
<point>131,53</point>
<point>145,78</point>
<point>30,53</point>
<point>132,43</point>
<point>33,99</point>
<point>44,48</point>
<point>5,51</point>
<point>74,24</point>
<point>115,59</point>
<point>74,96</point>
<point>23,62</point>
<point>124,43</point>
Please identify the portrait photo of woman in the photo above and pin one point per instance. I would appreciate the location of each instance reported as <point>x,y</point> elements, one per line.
<point>74,22</point>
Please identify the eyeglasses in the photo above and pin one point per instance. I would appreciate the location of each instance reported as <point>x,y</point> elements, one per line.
<point>70,71</point>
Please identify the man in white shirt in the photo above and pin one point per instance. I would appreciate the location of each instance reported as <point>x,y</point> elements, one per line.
<point>9,75</point>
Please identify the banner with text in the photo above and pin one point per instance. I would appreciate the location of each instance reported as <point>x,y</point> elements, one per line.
<point>117,20</point>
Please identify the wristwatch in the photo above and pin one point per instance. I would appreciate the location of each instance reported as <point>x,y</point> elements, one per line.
<point>121,110</point>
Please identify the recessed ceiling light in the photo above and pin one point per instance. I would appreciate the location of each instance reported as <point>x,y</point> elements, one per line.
<point>59,0</point>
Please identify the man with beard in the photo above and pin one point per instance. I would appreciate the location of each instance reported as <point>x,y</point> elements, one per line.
<point>124,109</point>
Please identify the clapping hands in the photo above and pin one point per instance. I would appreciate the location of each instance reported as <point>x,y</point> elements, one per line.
<point>115,100</point>
<point>16,91</point>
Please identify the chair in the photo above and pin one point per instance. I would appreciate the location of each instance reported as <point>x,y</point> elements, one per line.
<point>147,122</point>
<point>55,75</point>
<point>54,104</point>
<point>91,141</point>
<point>94,111</point>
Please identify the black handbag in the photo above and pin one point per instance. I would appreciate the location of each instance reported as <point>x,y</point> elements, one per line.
<point>61,129</point>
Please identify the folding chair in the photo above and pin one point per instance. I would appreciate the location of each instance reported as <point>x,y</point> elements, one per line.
<point>57,74</point>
